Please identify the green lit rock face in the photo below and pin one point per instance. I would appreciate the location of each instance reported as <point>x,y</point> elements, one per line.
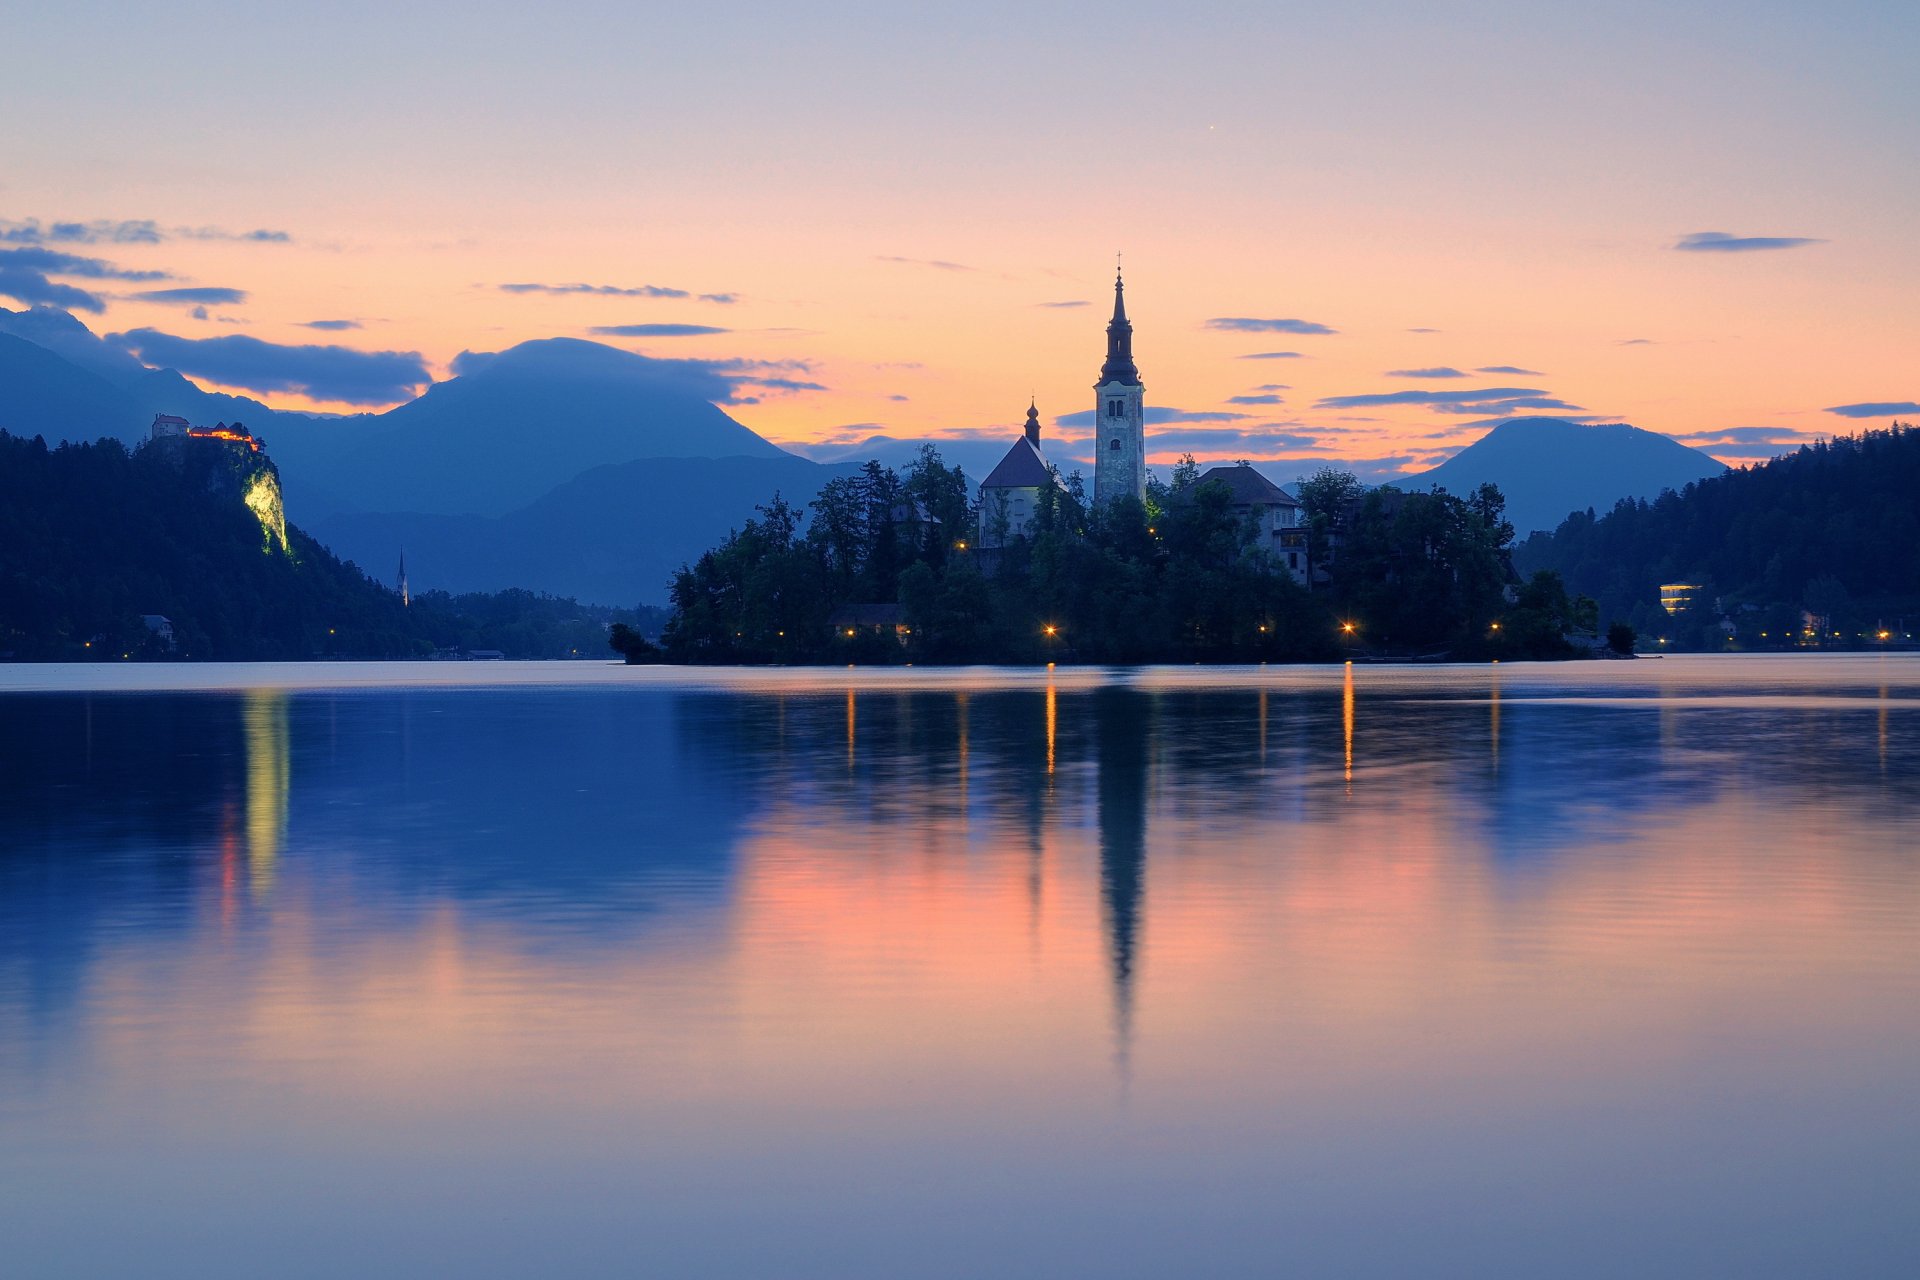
<point>262,496</point>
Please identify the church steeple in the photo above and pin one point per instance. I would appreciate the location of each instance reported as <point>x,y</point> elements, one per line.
<point>1119,366</point>
<point>1119,412</point>
<point>1033,423</point>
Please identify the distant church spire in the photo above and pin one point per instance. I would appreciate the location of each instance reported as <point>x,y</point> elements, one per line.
<point>1119,412</point>
<point>1033,423</point>
<point>1119,366</point>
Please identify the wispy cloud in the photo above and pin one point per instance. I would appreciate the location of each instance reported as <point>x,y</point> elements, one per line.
<point>1510,369</point>
<point>1156,415</point>
<point>655,330</point>
<point>1262,398</point>
<point>1438,371</point>
<point>1060,305</point>
<point>125,231</point>
<point>318,372</point>
<point>1636,342</point>
<point>1744,435</point>
<point>331,326</point>
<point>936,263</point>
<point>1273,355</point>
<point>1423,331</point>
<point>1468,402</point>
<point>1462,396</point>
<point>1723,242</point>
<point>1216,440</point>
<point>617,291</point>
<point>26,275</point>
<point>1251,324</point>
<point>191,297</point>
<point>1876,408</point>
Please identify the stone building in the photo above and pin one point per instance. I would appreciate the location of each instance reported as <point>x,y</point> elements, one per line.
<point>1272,516</point>
<point>1010,495</point>
<point>1119,414</point>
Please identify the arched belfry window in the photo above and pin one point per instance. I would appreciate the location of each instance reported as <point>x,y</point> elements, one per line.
<point>1113,446</point>
<point>1114,408</point>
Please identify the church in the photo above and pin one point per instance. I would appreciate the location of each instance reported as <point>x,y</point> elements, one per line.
<point>1010,495</point>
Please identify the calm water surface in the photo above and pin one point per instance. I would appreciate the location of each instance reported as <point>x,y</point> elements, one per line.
<point>1608,969</point>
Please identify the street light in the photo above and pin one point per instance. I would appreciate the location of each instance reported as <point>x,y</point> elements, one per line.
<point>1050,629</point>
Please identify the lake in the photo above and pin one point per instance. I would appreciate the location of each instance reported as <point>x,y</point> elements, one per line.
<point>1590,969</point>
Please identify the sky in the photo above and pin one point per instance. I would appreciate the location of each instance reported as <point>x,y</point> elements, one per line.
<point>1351,232</point>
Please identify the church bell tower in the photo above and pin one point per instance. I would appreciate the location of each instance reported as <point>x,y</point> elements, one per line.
<point>1120,436</point>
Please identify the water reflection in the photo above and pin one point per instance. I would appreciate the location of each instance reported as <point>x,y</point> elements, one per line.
<point>1096,959</point>
<point>264,716</point>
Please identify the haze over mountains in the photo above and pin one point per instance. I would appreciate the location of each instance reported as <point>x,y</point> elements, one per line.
<point>572,467</point>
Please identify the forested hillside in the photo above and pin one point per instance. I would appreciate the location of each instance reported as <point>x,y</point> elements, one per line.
<point>1832,530</point>
<point>96,537</point>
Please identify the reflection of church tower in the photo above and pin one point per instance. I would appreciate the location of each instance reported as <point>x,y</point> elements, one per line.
<point>406,597</point>
<point>1120,723</point>
<point>1119,429</point>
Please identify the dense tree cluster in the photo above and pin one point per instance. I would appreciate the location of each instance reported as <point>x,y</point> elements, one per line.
<point>95,536</point>
<point>885,571</point>
<point>1831,531</point>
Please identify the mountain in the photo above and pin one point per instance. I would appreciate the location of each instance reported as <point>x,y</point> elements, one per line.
<point>1547,468</point>
<point>510,428</point>
<point>48,393</point>
<point>613,534</point>
<point>1832,529</point>
<point>42,394</point>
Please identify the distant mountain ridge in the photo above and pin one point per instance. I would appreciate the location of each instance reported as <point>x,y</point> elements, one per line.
<point>507,429</point>
<point>1549,468</point>
<point>612,534</point>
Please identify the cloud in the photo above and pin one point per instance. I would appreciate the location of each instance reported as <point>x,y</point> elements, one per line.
<point>655,330</point>
<point>617,291</point>
<point>199,313</point>
<point>1248,324</point>
<point>1267,398</point>
<point>1423,331</point>
<point>1438,371</point>
<point>1474,396</point>
<point>1273,355</point>
<point>1510,369</point>
<point>1636,342</point>
<point>898,399</point>
<point>128,231</point>
<point>25,275</point>
<point>1508,406</point>
<point>935,263</point>
<point>1722,242</point>
<point>54,262</point>
<point>1057,305</point>
<point>785,384</point>
<point>192,297</point>
<point>317,372</point>
<point>23,284</point>
<point>1875,408</point>
<point>1154,416</point>
<point>331,326</point>
<point>1223,439</point>
<point>1743,435</point>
